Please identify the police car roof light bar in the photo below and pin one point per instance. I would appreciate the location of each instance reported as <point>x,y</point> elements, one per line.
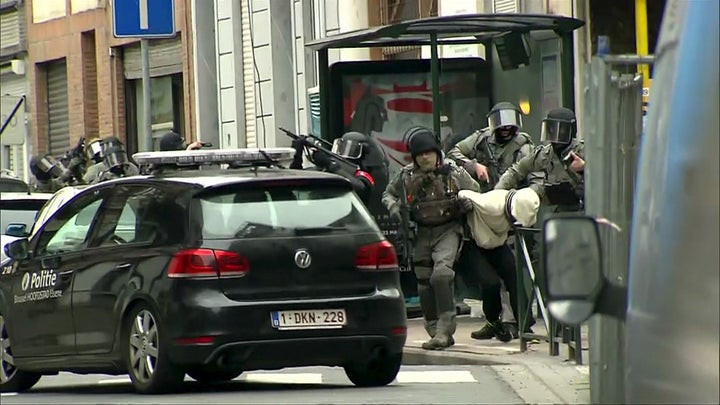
<point>244,156</point>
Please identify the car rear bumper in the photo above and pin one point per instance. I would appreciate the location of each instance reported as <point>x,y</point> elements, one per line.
<point>294,352</point>
<point>222,333</point>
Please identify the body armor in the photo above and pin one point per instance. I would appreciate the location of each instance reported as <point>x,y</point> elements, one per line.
<point>433,198</point>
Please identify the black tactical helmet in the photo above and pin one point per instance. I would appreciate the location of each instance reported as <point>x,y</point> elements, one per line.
<point>172,141</point>
<point>420,140</point>
<point>94,150</point>
<point>559,127</point>
<point>114,155</point>
<point>504,120</point>
<point>47,167</point>
<point>351,145</point>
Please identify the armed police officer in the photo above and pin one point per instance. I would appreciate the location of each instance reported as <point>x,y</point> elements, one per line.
<point>428,189</point>
<point>110,161</point>
<point>487,153</point>
<point>174,141</point>
<point>370,157</point>
<point>560,160</point>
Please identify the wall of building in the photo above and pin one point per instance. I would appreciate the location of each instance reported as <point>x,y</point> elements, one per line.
<point>260,65</point>
<point>13,87</point>
<point>73,29</point>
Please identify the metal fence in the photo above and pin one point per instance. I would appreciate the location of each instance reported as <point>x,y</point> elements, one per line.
<point>613,129</point>
<point>529,274</point>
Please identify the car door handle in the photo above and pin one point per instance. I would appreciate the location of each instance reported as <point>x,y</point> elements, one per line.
<point>123,266</point>
<point>65,273</point>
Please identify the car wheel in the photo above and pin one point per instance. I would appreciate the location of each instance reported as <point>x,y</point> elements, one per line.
<point>210,376</point>
<point>12,379</point>
<point>380,371</point>
<point>151,372</point>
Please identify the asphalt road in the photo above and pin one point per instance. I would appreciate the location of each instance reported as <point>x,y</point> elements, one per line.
<point>310,385</point>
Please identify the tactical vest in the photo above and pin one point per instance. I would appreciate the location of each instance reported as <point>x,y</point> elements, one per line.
<point>432,198</point>
<point>557,172</point>
<point>506,157</point>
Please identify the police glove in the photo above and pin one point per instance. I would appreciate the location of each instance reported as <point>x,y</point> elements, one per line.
<point>465,205</point>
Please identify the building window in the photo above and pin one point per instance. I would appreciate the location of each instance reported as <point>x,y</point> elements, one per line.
<point>395,11</point>
<point>58,128</point>
<point>166,110</point>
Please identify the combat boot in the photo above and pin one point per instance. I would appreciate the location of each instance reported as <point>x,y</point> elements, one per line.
<point>439,342</point>
<point>494,329</point>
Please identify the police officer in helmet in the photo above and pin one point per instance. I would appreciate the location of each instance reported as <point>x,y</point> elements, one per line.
<point>111,161</point>
<point>487,153</point>
<point>372,160</point>
<point>429,188</point>
<point>560,160</point>
<point>174,141</point>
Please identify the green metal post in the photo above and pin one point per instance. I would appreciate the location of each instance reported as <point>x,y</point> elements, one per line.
<point>568,69</point>
<point>323,81</point>
<point>435,75</point>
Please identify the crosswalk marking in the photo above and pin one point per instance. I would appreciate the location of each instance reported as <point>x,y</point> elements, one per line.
<point>121,380</point>
<point>403,377</point>
<point>286,378</point>
<point>435,376</point>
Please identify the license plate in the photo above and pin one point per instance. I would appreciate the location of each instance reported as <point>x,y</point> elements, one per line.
<point>309,319</point>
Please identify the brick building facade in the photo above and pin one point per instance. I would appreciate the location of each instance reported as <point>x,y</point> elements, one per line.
<point>83,81</point>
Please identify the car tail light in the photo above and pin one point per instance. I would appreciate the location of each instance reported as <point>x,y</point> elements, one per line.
<point>199,263</point>
<point>378,256</point>
<point>199,340</point>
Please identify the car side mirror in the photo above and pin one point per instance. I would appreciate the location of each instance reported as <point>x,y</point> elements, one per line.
<point>17,230</point>
<point>17,249</point>
<point>573,263</point>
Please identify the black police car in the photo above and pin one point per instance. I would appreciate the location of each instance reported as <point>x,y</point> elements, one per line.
<point>206,272</point>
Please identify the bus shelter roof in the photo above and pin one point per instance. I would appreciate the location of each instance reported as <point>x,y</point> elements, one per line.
<point>452,29</point>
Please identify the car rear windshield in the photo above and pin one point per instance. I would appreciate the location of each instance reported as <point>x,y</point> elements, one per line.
<point>283,211</point>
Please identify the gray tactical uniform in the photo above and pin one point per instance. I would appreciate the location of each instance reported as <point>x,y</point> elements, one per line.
<point>482,147</point>
<point>432,198</point>
<point>99,172</point>
<point>546,161</point>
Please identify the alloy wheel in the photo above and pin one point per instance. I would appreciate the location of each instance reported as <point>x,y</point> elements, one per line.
<point>7,362</point>
<point>144,344</point>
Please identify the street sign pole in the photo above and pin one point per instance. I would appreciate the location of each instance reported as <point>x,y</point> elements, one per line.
<point>145,55</point>
<point>144,19</point>
<point>147,109</point>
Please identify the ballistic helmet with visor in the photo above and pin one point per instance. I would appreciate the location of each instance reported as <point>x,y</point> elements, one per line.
<point>114,153</point>
<point>46,167</point>
<point>351,145</point>
<point>504,115</point>
<point>559,127</point>
<point>95,150</point>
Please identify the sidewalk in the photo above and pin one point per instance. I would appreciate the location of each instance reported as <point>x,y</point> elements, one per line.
<point>535,376</point>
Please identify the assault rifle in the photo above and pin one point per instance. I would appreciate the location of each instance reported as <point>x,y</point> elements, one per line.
<point>318,153</point>
<point>406,231</point>
<point>493,170</point>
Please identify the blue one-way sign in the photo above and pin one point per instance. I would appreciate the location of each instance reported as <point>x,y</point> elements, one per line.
<point>143,18</point>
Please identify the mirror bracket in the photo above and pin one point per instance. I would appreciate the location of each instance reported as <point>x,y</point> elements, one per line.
<point>612,300</point>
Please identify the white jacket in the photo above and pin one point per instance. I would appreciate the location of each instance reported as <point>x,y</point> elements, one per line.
<point>489,221</point>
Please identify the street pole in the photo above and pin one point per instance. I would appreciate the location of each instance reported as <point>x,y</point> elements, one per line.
<point>147,118</point>
<point>641,45</point>
<point>435,77</point>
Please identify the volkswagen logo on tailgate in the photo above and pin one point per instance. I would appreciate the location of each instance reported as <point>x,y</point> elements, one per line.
<point>302,258</point>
